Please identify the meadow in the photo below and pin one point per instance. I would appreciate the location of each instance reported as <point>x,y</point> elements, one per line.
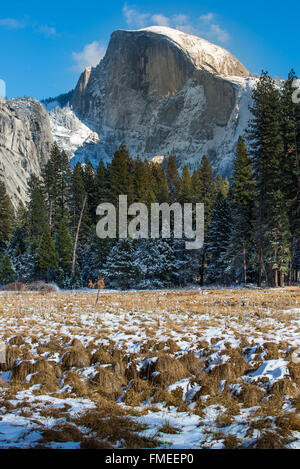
<point>207,368</point>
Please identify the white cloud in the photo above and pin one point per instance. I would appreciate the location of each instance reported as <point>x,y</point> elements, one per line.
<point>207,18</point>
<point>161,20</point>
<point>90,55</point>
<point>47,31</point>
<point>12,23</point>
<point>135,18</point>
<point>218,33</point>
<point>204,26</point>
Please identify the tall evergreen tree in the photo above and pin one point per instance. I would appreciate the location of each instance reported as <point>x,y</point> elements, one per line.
<point>6,215</point>
<point>64,249</point>
<point>243,207</point>
<point>267,150</point>
<point>47,258</point>
<point>173,179</point>
<point>218,239</point>
<point>7,271</point>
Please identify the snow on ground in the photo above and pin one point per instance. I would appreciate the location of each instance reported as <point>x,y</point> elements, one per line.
<point>191,369</point>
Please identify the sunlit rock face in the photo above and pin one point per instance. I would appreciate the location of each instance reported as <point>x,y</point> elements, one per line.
<point>25,143</point>
<point>161,91</point>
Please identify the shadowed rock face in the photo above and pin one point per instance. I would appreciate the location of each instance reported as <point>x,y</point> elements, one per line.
<point>153,94</point>
<point>25,142</point>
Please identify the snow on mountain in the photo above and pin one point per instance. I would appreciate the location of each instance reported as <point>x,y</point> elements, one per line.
<point>69,132</point>
<point>159,91</point>
<point>204,54</point>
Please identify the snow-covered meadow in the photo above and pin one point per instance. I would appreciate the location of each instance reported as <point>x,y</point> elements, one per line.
<point>173,369</point>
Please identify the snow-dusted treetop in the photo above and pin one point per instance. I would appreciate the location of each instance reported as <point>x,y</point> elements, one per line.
<point>202,53</point>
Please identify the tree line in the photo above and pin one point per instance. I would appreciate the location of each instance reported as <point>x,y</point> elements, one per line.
<point>252,222</point>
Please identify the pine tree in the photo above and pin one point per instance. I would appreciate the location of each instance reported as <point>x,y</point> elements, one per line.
<point>94,256</point>
<point>7,271</point>
<point>218,239</point>
<point>291,162</point>
<point>36,219</point>
<point>222,185</point>
<point>120,270</point>
<point>173,179</point>
<point>78,195</point>
<point>204,191</point>
<point>160,185</point>
<point>186,189</point>
<point>103,184</point>
<point>6,216</point>
<point>90,185</point>
<point>242,197</point>
<point>267,149</point>
<point>47,258</point>
<point>64,248</point>
<point>121,176</point>
<point>56,176</point>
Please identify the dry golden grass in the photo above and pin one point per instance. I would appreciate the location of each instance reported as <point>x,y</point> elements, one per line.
<point>121,331</point>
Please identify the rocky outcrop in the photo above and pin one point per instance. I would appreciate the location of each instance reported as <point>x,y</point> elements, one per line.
<point>162,91</point>
<point>25,142</point>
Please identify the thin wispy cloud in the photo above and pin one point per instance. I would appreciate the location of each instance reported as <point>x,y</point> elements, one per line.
<point>205,25</point>
<point>47,31</point>
<point>15,24</point>
<point>12,23</point>
<point>90,55</point>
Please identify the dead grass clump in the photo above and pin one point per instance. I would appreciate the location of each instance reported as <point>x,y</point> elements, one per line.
<point>62,434</point>
<point>268,440</point>
<point>131,372</point>
<point>17,340</point>
<point>147,346</point>
<point>250,395</point>
<point>231,442</point>
<point>116,429</point>
<point>76,343</point>
<point>48,381</point>
<point>77,383</point>
<point>26,367</point>
<point>294,370</point>
<point>93,443</point>
<point>272,350</point>
<point>169,429</point>
<point>165,371</point>
<point>234,368</point>
<point>101,357</point>
<point>76,357</point>
<point>284,387</point>
<point>288,423</point>
<point>132,398</point>
<point>209,386</point>
<point>108,383</point>
<point>192,364</point>
<point>11,355</point>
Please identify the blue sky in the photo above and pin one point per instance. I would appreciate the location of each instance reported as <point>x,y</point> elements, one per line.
<point>45,45</point>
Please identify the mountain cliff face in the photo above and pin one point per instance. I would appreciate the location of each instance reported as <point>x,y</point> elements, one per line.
<point>25,142</point>
<point>162,91</point>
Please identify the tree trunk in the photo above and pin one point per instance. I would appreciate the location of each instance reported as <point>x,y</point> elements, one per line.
<point>244,263</point>
<point>281,279</point>
<point>290,277</point>
<point>50,217</point>
<point>76,237</point>
<point>202,268</point>
<point>276,278</point>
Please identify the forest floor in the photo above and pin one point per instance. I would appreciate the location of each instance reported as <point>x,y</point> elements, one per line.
<point>167,369</point>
